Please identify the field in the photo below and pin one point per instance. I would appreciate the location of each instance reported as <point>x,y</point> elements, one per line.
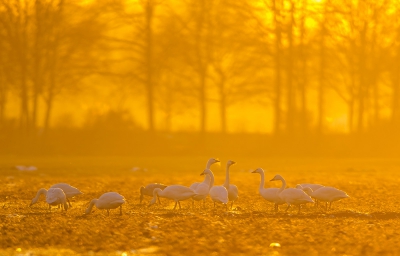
<point>365,224</point>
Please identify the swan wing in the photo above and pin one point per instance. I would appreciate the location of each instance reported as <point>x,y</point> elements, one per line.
<point>219,194</point>
<point>148,190</point>
<point>295,196</point>
<point>177,192</point>
<point>314,187</point>
<point>55,196</point>
<point>194,185</point>
<point>69,190</point>
<point>110,200</point>
<point>329,194</point>
<point>272,195</point>
<point>233,192</point>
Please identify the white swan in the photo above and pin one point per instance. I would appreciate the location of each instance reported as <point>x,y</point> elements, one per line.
<point>148,190</point>
<point>269,194</point>
<point>292,195</point>
<point>56,197</point>
<point>210,162</point>
<point>109,200</point>
<point>68,190</point>
<point>233,192</point>
<point>327,194</point>
<point>175,192</point>
<point>218,194</point>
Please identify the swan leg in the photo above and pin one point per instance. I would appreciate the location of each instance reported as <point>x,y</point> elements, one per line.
<point>108,212</point>
<point>326,206</point>
<point>69,203</point>
<point>299,209</point>
<point>159,200</point>
<point>330,205</point>
<point>179,205</point>
<point>214,204</point>
<point>175,204</point>
<point>141,198</point>
<point>192,203</point>
<point>232,205</point>
<point>287,208</point>
<point>204,203</point>
<point>120,210</point>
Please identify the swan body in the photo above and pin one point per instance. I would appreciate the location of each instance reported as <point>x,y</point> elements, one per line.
<point>233,191</point>
<point>269,194</point>
<point>328,194</point>
<point>174,192</point>
<point>68,190</point>
<point>56,197</point>
<point>312,186</point>
<point>292,195</point>
<point>109,200</point>
<point>29,168</point>
<point>210,162</point>
<point>218,194</point>
<point>148,190</point>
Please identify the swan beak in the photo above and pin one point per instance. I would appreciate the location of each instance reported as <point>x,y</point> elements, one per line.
<point>272,180</point>
<point>201,173</point>
<point>254,171</point>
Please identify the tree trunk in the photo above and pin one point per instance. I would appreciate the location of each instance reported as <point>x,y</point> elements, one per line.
<point>290,114</point>
<point>149,10</point>
<point>278,67</point>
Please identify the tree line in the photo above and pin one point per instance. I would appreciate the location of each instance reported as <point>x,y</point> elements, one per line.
<point>295,58</point>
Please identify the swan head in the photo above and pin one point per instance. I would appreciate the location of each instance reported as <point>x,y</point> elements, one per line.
<point>206,171</point>
<point>307,190</point>
<point>213,160</point>
<point>230,162</point>
<point>258,170</point>
<point>277,177</point>
<point>298,186</point>
<point>153,201</point>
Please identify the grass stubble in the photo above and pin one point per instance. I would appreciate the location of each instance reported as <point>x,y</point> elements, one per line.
<point>365,224</point>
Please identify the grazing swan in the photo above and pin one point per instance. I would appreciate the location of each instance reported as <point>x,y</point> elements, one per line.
<point>56,197</point>
<point>175,192</point>
<point>327,194</point>
<point>269,194</point>
<point>148,190</point>
<point>218,194</point>
<point>232,189</point>
<point>312,186</point>
<point>109,200</point>
<point>210,162</point>
<point>292,195</point>
<point>69,192</point>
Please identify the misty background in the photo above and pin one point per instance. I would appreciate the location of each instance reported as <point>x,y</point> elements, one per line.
<point>265,78</point>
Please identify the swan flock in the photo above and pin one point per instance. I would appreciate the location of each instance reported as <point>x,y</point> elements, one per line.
<point>304,193</point>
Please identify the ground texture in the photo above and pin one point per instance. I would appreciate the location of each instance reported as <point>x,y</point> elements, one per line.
<point>365,224</point>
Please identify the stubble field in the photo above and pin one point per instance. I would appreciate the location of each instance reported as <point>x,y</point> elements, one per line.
<point>365,224</point>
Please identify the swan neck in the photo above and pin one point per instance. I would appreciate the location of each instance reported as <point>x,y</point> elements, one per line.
<point>283,185</point>
<point>89,209</point>
<point>40,192</point>
<point>211,179</point>
<point>207,179</point>
<point>209,163</point>
<point>262,181</point>
<point>226,183</point>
